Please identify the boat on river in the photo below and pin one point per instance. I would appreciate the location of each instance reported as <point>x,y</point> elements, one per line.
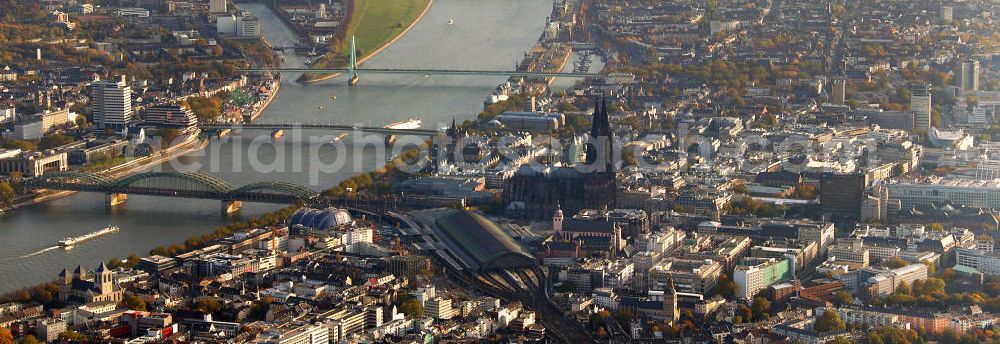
<point>69,242</point>
<point>411,123</point>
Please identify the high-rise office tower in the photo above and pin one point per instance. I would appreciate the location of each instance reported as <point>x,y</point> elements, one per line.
<point>968,76</point>
<point>920,104</point>
<point>112,103</point>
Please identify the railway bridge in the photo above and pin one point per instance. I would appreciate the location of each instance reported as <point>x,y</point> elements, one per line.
<point>174,184</point>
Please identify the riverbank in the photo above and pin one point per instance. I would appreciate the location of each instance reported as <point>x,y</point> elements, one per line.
<point>272,92</point>
<point>562,65</point>
<point>308,78</point>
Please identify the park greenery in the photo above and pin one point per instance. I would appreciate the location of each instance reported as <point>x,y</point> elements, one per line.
<point>130,262</point>
<point>54,140</point>
<point>830,321</point>
<point>725,286</point>
<point>23,145</point>
<point>749,206</point>
<point>410,306</point>
<point>894,335</point>
<point>7,193</point>
<point>207,109</point>
<point>516,102</point>
<point>735,76</point>
<point>134,303</point>
<point>207,305</point>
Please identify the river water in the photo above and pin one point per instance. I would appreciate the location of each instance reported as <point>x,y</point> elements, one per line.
<point>486,34</point>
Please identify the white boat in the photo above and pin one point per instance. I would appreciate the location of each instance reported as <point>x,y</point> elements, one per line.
<point>339,137</point>
<point>451,21</point>
<point>411,123</point>
<point>69,242</point>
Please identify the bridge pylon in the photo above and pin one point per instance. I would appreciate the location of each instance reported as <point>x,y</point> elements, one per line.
<point>115,199</point>
<point>230,207</point>
<point>353,66</point>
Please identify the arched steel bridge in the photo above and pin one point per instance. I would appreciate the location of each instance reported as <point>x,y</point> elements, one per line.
<point>174,184</point>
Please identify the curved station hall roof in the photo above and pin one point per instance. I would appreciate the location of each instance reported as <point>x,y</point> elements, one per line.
<point>475,240</point>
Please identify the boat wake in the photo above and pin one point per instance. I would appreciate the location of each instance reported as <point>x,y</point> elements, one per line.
<point>47,249</point>
<point>29,255</point>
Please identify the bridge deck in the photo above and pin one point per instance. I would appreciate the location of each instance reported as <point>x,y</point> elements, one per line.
<point>276,126</point>
<point>173,184</point>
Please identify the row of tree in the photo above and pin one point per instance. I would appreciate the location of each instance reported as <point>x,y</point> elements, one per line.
<point>193,243</point>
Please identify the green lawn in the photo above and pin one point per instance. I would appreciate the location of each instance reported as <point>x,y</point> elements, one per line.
<point>373,23</point>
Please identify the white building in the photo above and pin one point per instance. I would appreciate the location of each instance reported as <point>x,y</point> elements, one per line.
<point>850,250</point>
<point>439,308</point>
<point>171,115</point>
<point>248,26</point>
<point>606,298</point>
<point>755,274</point>
<point>987,263</point>
<point>358,236</point>
<point>225,24</point>
<point>307,334</point>
<point>28,131</point>
<point>822,233</point>
<point>864,317</point>
<point>48,330</point>
<point>111,103</point>
<point>951,139</point>
<point>132,12</point>
<point>7,114</point>
<point>966,192</point>
<point>244,25</point>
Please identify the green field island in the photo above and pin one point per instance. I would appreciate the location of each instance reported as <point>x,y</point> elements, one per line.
<point>374,24</point>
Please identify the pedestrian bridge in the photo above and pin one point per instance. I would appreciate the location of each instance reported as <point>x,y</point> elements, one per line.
<point>174,184</point>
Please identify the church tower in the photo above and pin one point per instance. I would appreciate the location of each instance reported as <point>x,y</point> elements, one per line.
<point>670,310</point>
<point>104,279</point>
<point>80,273</point>
<point>557,221</point>
<point>454,137</point>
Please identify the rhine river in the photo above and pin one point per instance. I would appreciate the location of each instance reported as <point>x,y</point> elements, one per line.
<point>486,34</point>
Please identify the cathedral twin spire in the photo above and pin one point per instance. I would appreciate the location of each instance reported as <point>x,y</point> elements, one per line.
<point>601,125</point>
<point>601,147</point>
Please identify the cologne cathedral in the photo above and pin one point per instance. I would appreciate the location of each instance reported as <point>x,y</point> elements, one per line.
<point>539,191</point>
